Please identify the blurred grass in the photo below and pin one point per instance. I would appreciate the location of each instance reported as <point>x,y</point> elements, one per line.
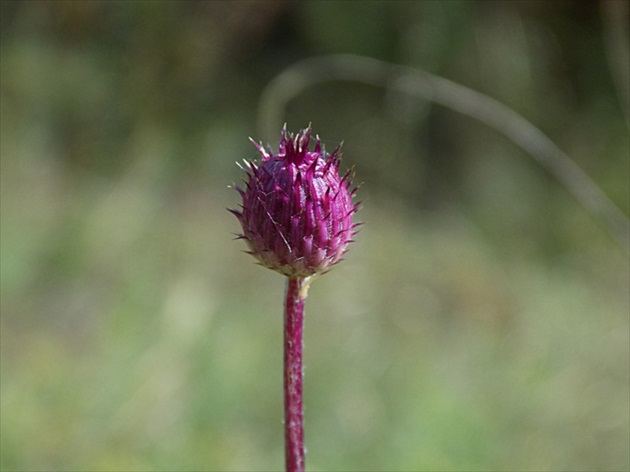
<point>480,322</point>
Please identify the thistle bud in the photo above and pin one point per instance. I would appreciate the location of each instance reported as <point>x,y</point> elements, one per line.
<point>297,210</point>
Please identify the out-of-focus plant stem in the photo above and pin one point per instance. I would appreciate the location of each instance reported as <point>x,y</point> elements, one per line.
<point>306,73</point>
<point>293,408</point>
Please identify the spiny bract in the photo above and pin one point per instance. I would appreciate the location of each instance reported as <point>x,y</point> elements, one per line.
<point>297,210</point>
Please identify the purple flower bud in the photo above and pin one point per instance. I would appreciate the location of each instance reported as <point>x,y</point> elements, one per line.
<point>297,210</point>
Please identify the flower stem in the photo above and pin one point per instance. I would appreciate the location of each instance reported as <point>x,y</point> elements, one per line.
<point>293,411</point>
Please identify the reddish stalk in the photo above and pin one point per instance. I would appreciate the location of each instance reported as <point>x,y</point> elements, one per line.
<point>293,410</point>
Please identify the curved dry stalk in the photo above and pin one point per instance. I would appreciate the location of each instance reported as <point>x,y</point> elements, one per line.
<point>306,73</point>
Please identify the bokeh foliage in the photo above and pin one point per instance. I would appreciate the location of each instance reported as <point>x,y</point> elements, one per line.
<point>480,321</point>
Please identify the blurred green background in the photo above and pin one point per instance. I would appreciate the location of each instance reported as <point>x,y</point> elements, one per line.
<point>480,321</point>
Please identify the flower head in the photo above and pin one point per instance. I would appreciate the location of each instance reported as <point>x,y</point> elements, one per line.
<point>297,210</point>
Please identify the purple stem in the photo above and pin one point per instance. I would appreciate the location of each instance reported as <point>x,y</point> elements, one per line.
<point>293,411</point>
